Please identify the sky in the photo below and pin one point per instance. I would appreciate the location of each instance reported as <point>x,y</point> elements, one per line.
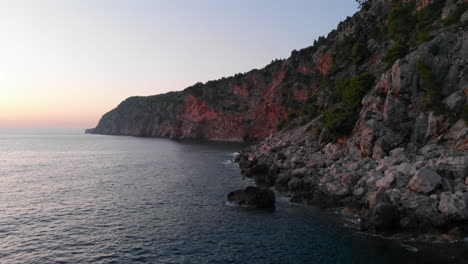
<point>65,63</point>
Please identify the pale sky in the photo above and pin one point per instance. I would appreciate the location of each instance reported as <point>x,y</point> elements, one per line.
<point>66,63</point>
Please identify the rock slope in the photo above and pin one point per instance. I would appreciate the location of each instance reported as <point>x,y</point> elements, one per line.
<point>404,166</point>
<point>373,116</point>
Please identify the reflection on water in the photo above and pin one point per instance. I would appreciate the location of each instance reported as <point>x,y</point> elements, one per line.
<point>104,199</point>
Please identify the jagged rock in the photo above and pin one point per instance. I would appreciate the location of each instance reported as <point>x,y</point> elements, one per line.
<point>244,163</point>
<point>253,197</point>
<point>377,197</point>
<point>349,179</point>
<point>447,185</point>
<point>418,135</point>
<point>424,181</point>
<point>299,172</point>
<point>381,168</point>
<point>336,189</point>
<point>460,187</point>
<point>452,166</point>
<point>383,218</point>
<point>393,196</point>
<point>294,184</point>
<point>464,17</point>
<point>401,179</point>
<point>455,101</point>
<point>283,178</point>
<point>423,210</point>
<point>454,206</point>
<point>359,192</point>
<point>404,168</point>
<point>386,181</point>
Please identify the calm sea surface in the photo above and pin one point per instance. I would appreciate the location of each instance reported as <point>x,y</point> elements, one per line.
<point>75,198</point>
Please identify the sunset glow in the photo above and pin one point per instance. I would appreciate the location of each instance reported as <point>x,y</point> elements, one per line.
<point>66,63</point>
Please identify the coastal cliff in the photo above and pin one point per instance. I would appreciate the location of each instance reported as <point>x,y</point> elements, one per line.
<point>373,116</point>
<point>244,107</point>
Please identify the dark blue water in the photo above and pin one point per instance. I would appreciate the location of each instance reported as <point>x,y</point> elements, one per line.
<point>70,198</point>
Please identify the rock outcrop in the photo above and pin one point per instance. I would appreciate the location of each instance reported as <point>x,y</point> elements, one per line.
<point>253,197</point>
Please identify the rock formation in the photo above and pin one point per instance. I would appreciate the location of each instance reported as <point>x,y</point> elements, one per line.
<point>373,116</point>
<point>253,197</point>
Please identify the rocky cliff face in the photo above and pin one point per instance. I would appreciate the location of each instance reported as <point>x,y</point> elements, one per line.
<point>404,164</point>
<point>374,116</point>
<point>244,107</point>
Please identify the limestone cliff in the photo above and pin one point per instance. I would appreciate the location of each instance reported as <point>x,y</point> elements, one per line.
<point>373,116</point>
<point>244,107</point>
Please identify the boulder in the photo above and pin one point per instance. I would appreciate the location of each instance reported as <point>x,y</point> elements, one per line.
<point>460,187</point>
<point>378,197</point>
<point>423,210</point>
<point>424,181</point>
<point>386,181</point>
<point>349,179</point>
<point>401,180</point>
<point>383,218</point>
<point>244,162</point>
<point>358,192</point>
<point>253,197</point>
<point>454,206</point>
<point>260,168</point>
<point>404,168</point>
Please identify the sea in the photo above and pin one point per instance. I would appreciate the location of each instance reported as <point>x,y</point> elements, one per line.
<point>69,197</point>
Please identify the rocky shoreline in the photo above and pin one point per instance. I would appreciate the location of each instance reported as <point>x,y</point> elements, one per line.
<point>419,192</point>
<point>372,117</point>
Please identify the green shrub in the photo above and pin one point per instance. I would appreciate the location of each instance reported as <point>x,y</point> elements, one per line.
<point>325,82</point>
<point>338,121</point>
<point>429,14</point>
<point>359,53</point>
<point>317,131</point>
<point>292,116</point>
<point>431,86</point>
<point>410,25</point>
<point>422,36</point>
<point>196,89</point>
<point>401,21</point>
<point>397,51</point>
<point>426,18</point>
<point>310,110</point>
<point>352,91</point>
<point>343,56</point>
<point>455,16</point>
<point>289,118</point>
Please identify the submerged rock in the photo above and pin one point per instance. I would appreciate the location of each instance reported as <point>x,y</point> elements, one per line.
<point>253,197</point>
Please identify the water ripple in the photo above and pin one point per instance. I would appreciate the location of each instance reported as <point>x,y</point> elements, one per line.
<point>94,199</point>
